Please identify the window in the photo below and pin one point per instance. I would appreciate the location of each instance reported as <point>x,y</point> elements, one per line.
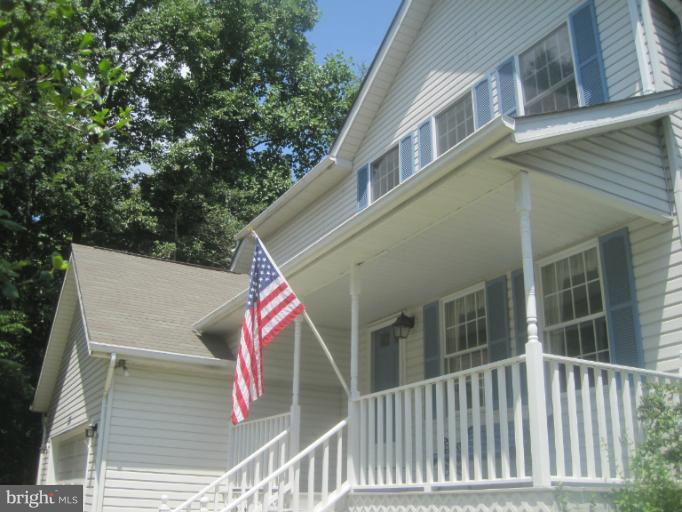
<point>454,124</point>
<point>466,340</point>
<point>574,318</point>
<point>385,173</point>
<point>547,74</point>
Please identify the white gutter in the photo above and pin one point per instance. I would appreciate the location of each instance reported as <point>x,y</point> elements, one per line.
<point>103,436</point>
<point>489,134</point>
<point>144,353</point>
<point>302,184</point>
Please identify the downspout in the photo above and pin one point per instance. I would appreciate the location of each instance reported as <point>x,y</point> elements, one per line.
<point>43,449</point>
<point>103,437</point>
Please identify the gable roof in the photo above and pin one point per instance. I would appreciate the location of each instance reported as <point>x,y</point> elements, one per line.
<point>375,85</point>
<point>136,305</point>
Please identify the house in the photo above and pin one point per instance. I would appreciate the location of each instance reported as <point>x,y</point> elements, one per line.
<point>508,184</point>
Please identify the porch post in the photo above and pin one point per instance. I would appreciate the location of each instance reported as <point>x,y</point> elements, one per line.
<point>353,413</point>
<point>296,388</point>
<point>535,370</point>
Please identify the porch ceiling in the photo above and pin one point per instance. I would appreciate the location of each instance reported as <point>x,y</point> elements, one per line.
<point>460,231</point>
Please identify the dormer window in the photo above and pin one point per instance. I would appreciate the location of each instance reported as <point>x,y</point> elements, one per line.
<point>547,74</point>
<point>385,173</point>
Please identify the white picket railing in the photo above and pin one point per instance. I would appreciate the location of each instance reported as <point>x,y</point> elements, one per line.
<point>466,428</point>
<point>249,436</point>
<point>312,480</point>
<point>239,478</point>
<point>592,409</point>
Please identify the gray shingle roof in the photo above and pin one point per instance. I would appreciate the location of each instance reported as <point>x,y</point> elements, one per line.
<point>147,303</point>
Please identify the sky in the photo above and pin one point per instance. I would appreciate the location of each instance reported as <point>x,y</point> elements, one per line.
<point>356,27</point>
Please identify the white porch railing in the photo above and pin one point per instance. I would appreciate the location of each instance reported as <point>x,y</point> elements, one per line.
<point>593,425</point>
<point>249,436</point>
<point>312,480</point>
<point>239,478</point>
<point>465,428</point>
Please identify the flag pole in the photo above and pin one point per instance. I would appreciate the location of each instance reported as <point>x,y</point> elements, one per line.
<point>307,318</point>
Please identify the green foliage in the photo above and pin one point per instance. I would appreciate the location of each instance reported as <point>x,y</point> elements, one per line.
<point>159,127</point>
<point>656,485</point>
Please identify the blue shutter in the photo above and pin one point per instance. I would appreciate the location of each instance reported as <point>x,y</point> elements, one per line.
<point>497,320</point>
<point>431,341</point>
<point>519,300</point>
<point>363,186</point>
<point>425,144</point>
<point>621,299</point>
<point>483,107</point>
<point>406,158</point>
<point>587,55</point>
<point>506,88</point>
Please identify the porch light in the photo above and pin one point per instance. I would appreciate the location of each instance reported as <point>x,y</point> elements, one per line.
<point>91,430</point>
<point>402,326</point>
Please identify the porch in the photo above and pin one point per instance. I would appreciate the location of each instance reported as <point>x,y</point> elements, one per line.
<point>518,373</point>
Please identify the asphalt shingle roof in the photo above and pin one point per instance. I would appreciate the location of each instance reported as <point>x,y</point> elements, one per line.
<point>147,303</point>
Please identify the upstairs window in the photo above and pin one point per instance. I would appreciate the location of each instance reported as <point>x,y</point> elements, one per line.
<point>547,74</point>
<point>575,320</point>
<point>385,173</point>
<point>455,124</point>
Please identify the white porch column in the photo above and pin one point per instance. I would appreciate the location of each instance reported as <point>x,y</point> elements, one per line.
<point>296,388</point>
<point>353,404</point>
<point>535,370</point>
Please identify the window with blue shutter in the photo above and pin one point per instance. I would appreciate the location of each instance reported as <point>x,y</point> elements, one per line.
<point>431,340</point>
<point>483,103</point>
<point>622,314</point>
<point>519,301</point>
<point>406,158</point>
<point>363,187</point>
<point>587,55</point>
<point>497,319</point>
<point>425,144</point>
<point>506,88</point>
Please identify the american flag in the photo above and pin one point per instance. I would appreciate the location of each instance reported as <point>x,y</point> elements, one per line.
<point>271,306</point>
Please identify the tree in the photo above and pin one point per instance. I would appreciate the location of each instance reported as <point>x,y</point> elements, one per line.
<point>656,468</point>
<point>54,128</point>
<point>229,108</point>
<point>158,126</point>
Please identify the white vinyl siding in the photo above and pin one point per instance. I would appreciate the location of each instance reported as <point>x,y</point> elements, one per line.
<point>667,42</point>
<point>450,55</point>
<point>657,261</point>
<point>70,456</point>
<point>628,165</point>
<point>170,430</point>
<point>78,392</point>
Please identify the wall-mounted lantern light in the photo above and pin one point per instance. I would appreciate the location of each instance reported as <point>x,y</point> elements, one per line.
<point>402,326</point>
<point>91,430</point>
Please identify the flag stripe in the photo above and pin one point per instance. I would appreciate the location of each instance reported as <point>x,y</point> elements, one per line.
<point>272,305</point>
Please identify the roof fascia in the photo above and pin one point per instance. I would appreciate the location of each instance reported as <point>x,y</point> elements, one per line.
<point>370,77</point>
<point>104,349</point>
<point>483,139</point>
<point>547,129</point>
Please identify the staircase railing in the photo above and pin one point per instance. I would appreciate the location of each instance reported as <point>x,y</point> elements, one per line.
<point>312,480</point>
<point>239,478</point>
<point>250,435</point>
